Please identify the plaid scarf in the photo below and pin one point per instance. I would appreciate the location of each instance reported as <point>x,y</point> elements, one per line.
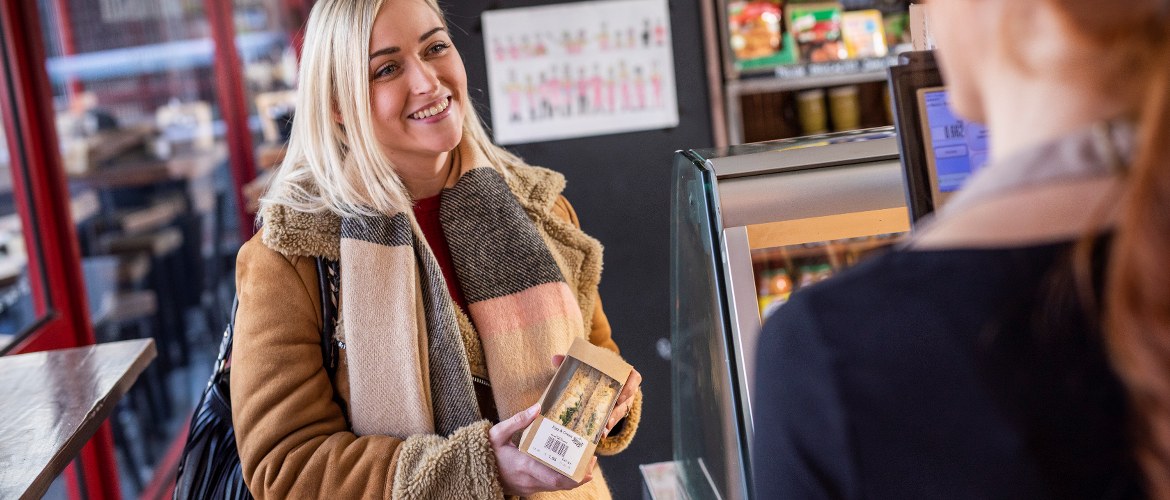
<point>408,365</point>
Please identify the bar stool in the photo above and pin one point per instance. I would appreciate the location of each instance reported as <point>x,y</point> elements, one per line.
<point>165,273</point>
<point>121,315</point>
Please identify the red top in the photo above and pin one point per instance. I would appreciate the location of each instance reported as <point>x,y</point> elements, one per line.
<point>426,211</point>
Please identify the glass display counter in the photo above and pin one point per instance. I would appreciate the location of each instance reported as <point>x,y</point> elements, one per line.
<point>750,225</point>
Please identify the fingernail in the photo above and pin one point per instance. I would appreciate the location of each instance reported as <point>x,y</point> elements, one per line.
<point>533,409</point>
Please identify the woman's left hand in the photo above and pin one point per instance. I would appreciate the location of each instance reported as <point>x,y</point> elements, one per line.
<point>625,400</point>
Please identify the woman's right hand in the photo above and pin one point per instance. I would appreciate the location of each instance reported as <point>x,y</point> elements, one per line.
<point>520,474</point>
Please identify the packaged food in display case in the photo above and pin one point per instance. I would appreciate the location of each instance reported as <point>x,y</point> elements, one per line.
<point>757,35</point>
<point>575,408</point>
<point>816,27</point>
<point>864,33</point>
<point>775,286</point>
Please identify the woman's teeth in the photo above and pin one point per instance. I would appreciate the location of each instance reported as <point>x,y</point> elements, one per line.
<point>433,110</point>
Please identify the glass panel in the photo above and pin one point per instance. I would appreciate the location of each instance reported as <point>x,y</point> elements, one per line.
<point>708,442</point>
<point>18,312</point>
<point>143,144</point>
<point>270,71</point>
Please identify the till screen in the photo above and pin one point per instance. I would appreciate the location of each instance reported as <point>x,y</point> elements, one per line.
<point>958,147</point>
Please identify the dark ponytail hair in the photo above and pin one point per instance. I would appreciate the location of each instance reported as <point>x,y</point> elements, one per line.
<point>1132,42</point>
<point>1137,296</point>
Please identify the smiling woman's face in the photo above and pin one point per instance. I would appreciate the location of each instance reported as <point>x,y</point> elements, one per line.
<point>418,85</point>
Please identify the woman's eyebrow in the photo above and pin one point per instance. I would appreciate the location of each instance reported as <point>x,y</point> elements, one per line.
<point>390,50</point>
<point>384,52</point>
<point>431,32</point>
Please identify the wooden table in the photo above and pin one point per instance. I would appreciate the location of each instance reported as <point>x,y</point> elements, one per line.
<point>141,169</point>
<point>52,402</point>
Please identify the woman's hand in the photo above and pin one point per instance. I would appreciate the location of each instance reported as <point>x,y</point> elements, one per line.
<point>520,474</point>
<point>625,400</point>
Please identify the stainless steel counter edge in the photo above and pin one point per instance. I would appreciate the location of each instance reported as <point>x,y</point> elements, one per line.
<point>808,153</point>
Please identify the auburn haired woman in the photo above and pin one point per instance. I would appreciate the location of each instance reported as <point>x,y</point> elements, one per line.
<point>461,272</point>
<point>1019,346</point>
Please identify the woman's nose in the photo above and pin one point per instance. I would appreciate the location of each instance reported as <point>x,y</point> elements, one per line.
<point>424,79</point>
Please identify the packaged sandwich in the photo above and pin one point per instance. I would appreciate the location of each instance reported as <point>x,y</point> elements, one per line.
<point>575,408</point>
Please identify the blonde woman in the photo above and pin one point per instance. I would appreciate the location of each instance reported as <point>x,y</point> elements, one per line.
<point>1020,347</point>
<point>462,273</point>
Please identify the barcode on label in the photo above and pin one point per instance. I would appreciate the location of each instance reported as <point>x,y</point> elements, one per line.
<point>556,446</point>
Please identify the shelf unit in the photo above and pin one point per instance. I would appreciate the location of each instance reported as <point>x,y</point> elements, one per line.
<point>728,86</point>
<point>795,78</point>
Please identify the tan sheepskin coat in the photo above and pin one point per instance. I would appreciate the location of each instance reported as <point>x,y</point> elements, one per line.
<point>292,436</point>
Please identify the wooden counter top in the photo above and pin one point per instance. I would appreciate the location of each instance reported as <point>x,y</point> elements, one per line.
<point>52,402</point>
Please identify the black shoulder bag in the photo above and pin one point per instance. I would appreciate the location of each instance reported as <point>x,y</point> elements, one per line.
<point>210,467</point>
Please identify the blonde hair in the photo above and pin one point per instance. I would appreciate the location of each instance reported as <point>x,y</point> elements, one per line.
<point>340,167</point>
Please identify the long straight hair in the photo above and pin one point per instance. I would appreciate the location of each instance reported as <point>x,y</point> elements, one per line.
<point>1135,34</point>
<point>333,162</point>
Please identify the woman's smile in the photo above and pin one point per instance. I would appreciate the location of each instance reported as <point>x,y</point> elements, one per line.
<point>434,111</point>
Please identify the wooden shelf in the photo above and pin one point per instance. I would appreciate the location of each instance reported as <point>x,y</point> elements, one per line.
<point>828,228</point>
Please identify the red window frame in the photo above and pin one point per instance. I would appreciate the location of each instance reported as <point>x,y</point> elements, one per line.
<point>42,199</point>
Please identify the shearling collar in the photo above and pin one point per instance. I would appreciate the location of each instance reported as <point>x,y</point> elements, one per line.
<point>295,233</point>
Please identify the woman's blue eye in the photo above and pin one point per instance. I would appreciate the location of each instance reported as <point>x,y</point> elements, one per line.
<point>439,48</point>
<point>386,70</point>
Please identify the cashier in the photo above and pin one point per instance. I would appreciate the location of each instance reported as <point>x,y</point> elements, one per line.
<point>1019,347</point>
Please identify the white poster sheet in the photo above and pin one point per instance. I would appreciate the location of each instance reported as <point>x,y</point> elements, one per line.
<point>579,69</point>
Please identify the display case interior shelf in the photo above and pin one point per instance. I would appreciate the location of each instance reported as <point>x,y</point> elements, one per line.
<point>828,228</point>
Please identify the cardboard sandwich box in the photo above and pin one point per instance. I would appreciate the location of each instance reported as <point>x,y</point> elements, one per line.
<point>575,408</point>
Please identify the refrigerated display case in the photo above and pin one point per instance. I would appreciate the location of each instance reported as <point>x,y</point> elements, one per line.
<point>750,225</point>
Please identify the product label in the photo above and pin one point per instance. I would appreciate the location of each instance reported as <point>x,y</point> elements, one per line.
<point>557,446</point>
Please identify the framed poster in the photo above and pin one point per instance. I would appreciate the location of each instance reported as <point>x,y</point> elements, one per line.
<point>579,69</point>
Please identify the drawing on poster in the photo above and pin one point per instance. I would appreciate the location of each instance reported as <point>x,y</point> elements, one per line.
<point>579,69</point>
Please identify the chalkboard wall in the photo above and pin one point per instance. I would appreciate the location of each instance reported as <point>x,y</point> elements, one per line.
<point>620,187</point>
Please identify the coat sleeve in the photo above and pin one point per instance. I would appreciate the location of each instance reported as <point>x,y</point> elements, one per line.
<point>291,435</point>
<point>798,402</point>
<point>602,336</point>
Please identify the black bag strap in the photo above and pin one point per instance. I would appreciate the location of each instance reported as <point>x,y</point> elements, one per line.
<point>225,345</point>
<point>328,280</point>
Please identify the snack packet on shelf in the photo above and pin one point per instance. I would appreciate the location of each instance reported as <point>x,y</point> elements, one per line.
<point>864,33</point>
<point>757,36</point>
<point>817,30</point>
